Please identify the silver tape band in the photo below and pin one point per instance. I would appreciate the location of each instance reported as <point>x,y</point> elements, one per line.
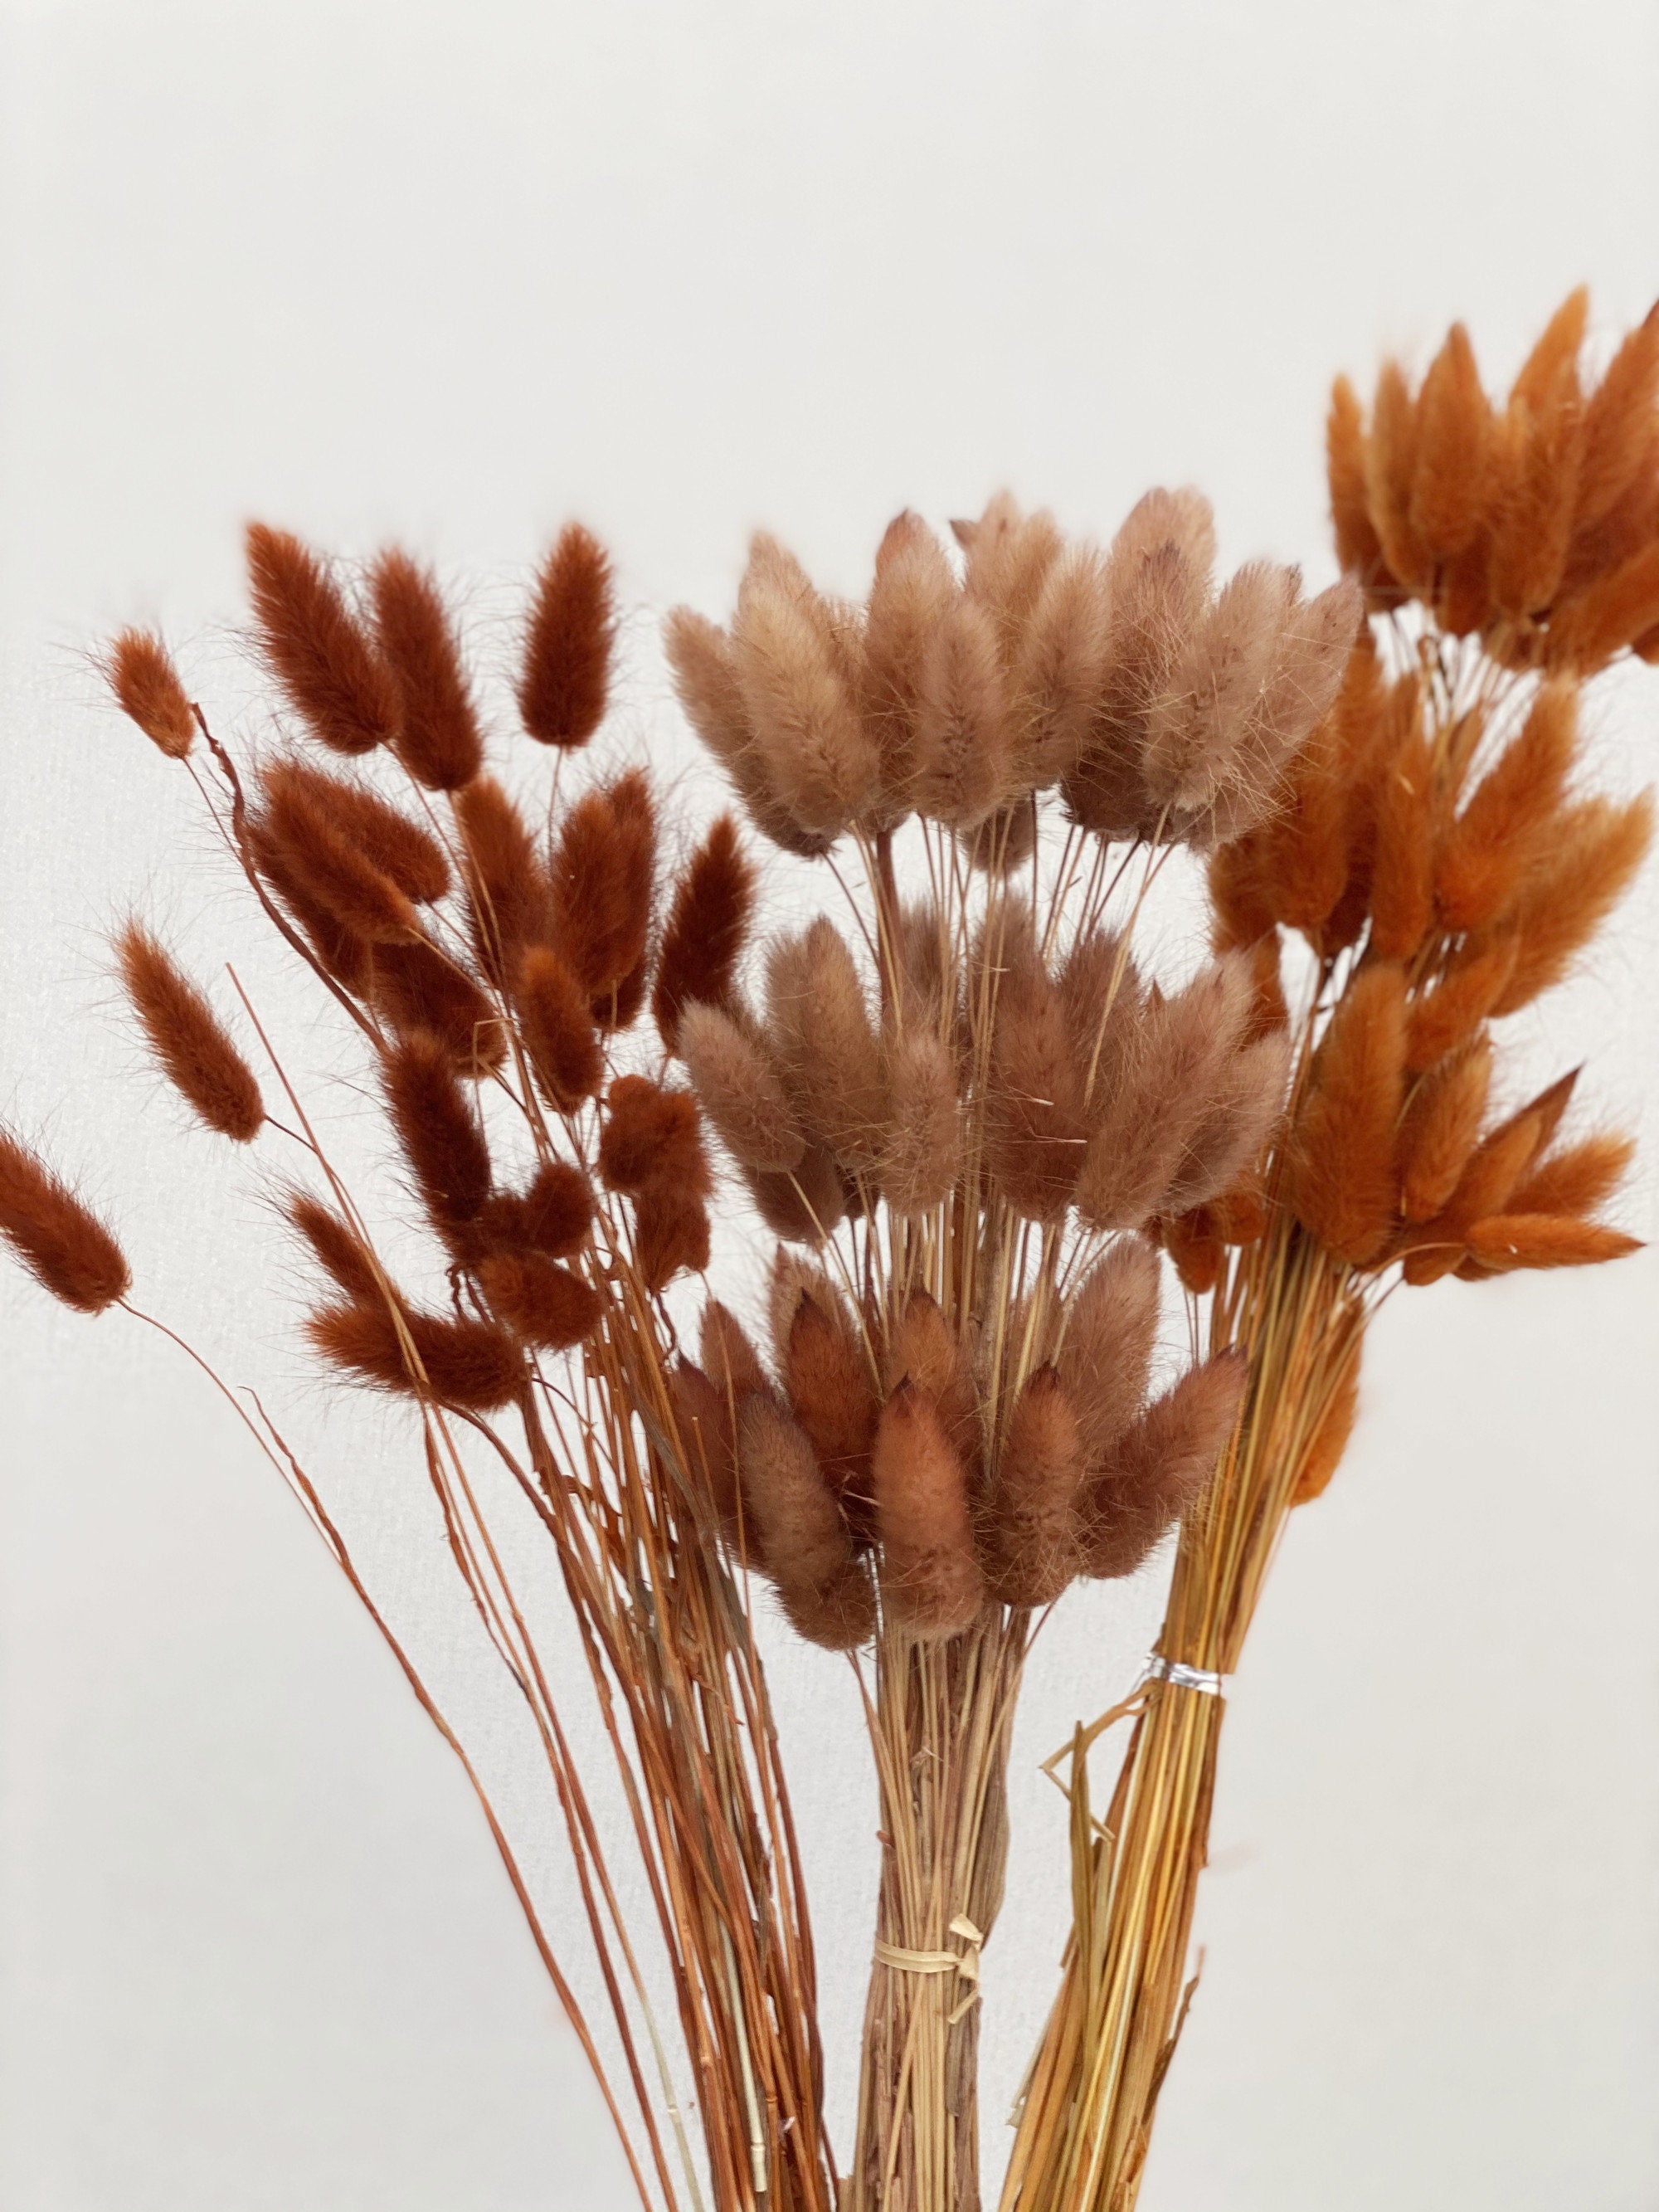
<point>1180,1676</point>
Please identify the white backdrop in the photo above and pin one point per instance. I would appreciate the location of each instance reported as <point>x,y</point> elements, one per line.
<point>452,273</point>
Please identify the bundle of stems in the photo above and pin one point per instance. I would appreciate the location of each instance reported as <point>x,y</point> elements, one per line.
<point>494,967</point>
<point>1442,869</point>
<point>969,1125</point>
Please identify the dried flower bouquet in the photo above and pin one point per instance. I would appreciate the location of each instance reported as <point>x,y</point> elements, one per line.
<point>971,1119</point>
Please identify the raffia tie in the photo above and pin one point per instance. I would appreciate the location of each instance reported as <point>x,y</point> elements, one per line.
<point>964,1964</point>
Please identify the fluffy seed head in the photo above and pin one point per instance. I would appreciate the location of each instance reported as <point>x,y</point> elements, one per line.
<point>740,1088</point>
<point>1594,850</point>
<point>1160,1466</point>
<point>1035,1129</point>
<point>315,647</point>
<point>1244,1102</point>
<point>1358,550</point>
<point>1621,422</point>
<point>803,1203</point>
<point>440,1134</point>
<point>385,837</point>
<point>707,926</point>
<point>565,680</point>
<point>601,883</point>
<point>335,1246</point>
<point>61,1241</point>
<point>416,987</point>
<point>1442,1126</point>
<point>922,1147</point>
<point>1576,1180</point>
<point>832,1395</point>
<point>1111,1322</point>
<point>552,1216</point>
<point>191,1043</point>
<point>1028,1522</point>
<point>147,690</point>
<point>1507,819</point>
<point>1505,1242</point>
<point>319,853</point>
<point>672,1235</point>
<point>337,948</point>
<point>651,1138</point>
<point>1451,481</point>
<point>470,1363</point>
<point>1331,1433</point>
<point>930,1576</point>
<point>800,1533</point>
<point>817,757</point>
<point>913,589</point>
<point>825,1045</point>
<point>438,740</point>
<point>1403,872</point>
<point>1343,1183</point>
<point>925,1349</point>
<point>732,1363</point>
<point>963,757</point>
<point>539,1301</point>
<point>557,1027</point>
<point>1446,1016</point>
<point>509,898</point>
<point>706,1439</point>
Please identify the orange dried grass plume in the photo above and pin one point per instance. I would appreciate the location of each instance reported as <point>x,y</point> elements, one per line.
<point>1504,1242</point>
<point>553,1215</point>
<point>147,687</point>
<point>1331,1433</point>
<point>1484,854</point>
<point>1575,882</point>
<point>1535,525</point>
<point>1576,1180</point>
<point>316,648</point>
<point>1343,1182</point>
<point>672,1234</point>
<point>60,1241</point>
<point>565,681</point>
<point>192,1045</point>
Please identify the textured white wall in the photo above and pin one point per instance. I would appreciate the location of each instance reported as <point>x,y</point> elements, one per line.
<point>452,272</point>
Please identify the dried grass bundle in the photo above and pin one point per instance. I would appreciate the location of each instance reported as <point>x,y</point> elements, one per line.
<point>477,945</point>
<point>966,1104</point>
<point>1441,870</point>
